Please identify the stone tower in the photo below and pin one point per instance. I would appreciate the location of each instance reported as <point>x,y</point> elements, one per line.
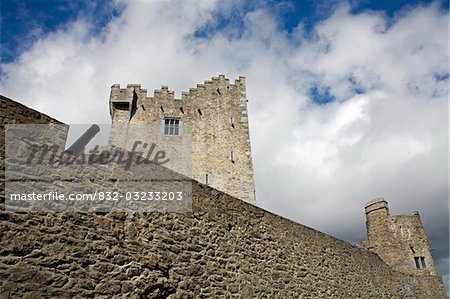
<point>399,240</point>
<point>214,115</point>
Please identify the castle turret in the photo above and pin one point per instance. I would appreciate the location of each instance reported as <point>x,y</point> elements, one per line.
<point>399,240</point>
<point>377,223</point>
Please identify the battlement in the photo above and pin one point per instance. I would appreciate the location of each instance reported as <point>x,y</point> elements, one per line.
<point>220,84</point>
<point>164,92</point>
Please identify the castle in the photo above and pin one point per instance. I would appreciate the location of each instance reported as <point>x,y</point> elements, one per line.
<point>216,115</point>
<point>225,248</point>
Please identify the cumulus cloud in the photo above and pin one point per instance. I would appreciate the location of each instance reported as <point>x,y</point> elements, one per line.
<point>383,132</point>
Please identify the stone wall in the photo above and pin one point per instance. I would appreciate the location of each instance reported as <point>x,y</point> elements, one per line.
<point>16,113</point>
<point>216,113</point>
<point>225,248</point>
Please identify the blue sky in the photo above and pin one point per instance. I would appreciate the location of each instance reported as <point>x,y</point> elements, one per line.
<point>355,93</point>
<point>23,22</point>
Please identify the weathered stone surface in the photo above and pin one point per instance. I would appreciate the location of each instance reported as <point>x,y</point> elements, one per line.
<point>208,260</point>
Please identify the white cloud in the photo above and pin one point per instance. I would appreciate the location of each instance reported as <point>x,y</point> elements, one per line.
<point>316,164</point>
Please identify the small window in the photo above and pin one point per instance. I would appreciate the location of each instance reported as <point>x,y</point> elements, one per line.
<point>171,126</point>
<point>420,262</point>
<point>417,262</point>
<point>422,259</point>
<point>232,122</point>
<point>232,157</point>
<point>208,179</point>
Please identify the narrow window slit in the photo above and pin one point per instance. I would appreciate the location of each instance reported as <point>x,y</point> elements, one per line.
<point>417,262</point>
<point>422,259</point>
<point>232,157</point>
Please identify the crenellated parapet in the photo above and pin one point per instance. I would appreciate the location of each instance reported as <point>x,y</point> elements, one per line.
<point>217,85</point>
<point>210,97</point>
<point>126,94</point>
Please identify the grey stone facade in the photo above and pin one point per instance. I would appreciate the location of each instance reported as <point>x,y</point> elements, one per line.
<point>215,113</point>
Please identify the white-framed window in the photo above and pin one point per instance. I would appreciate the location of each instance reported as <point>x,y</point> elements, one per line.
<point>171,126</point>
